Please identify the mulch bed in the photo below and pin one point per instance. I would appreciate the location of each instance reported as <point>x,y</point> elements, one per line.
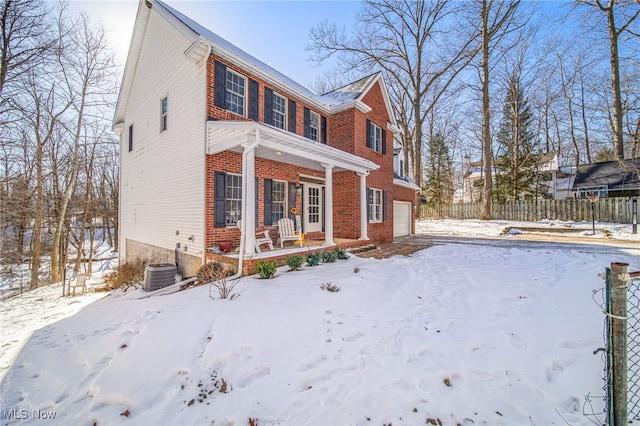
<point>386,250</point>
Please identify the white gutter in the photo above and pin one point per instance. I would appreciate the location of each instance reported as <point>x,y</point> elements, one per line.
<point>243,225</point>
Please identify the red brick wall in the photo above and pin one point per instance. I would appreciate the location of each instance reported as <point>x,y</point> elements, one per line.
<point>346,131</point>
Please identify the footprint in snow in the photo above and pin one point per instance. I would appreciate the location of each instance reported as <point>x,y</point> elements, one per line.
<point>251,376</point>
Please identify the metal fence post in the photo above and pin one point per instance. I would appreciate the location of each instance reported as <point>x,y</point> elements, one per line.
<point>618,317</point>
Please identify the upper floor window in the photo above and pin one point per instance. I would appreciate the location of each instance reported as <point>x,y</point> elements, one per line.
<point>374,137</point>
<point>235,92</point>
<point>164,108</point>
<point>131,138</point>
<point>314,125</point>
<point>279,111</point>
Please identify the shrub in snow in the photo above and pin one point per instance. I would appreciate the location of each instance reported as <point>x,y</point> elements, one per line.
<point>314,259</point>
<point>216,274</point>
<point>212,271</point>
<point>330,287</point>
<point>341,254</point>
<point>295,262</point>
<point>128,272</point>
<point>329,256</point>
<point>266,270</point>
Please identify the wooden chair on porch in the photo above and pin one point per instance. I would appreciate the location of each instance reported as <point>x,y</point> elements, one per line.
<point>262,238</point>
<point>288,231</point>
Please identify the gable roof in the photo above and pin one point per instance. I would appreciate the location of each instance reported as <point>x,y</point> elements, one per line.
<point>617,176</point>
<point>205,41</point>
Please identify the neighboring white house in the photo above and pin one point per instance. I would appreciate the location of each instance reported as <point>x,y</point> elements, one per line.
<point>548,170</point>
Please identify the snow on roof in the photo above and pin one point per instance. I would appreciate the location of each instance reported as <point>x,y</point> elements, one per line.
<point>329,99</point>
<point>351,91</point>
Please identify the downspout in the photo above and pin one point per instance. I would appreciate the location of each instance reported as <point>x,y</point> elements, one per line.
<point>243,228</point>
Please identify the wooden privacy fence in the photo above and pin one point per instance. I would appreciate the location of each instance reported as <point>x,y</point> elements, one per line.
<point>616,210</point>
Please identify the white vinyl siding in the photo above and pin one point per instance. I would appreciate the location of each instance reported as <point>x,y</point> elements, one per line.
<point>162,178</point>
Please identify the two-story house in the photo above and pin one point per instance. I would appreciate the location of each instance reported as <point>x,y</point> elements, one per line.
<point>210,136</point>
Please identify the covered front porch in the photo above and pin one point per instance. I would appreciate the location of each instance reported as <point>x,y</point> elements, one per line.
<point>256,140</point>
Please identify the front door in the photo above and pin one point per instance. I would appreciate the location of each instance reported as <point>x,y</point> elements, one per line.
<point>313,207</point>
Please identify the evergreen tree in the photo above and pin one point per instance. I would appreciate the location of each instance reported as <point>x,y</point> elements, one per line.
<point>439,180</point>
<point>516,159</point>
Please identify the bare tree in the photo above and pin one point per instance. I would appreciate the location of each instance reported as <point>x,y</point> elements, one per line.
<point>620,15</point>
<point>88,74</point>
<point>412,42</point>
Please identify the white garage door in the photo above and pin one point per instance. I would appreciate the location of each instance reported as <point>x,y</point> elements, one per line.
<point>401,218</point>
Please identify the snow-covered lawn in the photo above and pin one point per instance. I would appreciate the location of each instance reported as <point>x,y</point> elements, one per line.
<point>461,334</point>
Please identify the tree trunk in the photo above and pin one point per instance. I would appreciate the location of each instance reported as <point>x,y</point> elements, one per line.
<point>618,145</point>
<point>39,217</point>
<point>487,152</point>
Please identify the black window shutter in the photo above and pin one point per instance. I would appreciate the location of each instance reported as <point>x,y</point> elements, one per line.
<point>131,138</point>
<point>253,100</point>
<point>384,206</point>
<point>219,215</point>
<point>220,98</point>
<point>369,144</point>
<point>292,116</point>
<point>268,106</point>
<point>307,128</point>
<point>384,141</point>
<point>292,199</point>
<point>323,130</point>
<point>268,201</point>
<point>257,200</point>
<point>368,203</point>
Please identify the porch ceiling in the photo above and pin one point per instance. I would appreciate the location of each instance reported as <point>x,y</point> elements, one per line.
<point>279,145</point>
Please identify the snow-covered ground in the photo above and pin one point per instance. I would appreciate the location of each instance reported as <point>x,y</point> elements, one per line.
<point>461,334</point>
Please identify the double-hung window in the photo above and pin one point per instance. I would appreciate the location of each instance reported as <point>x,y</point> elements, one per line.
<point>164,109</point>
<point>233,199</point>
<point>278,200</point>
<point>374,136</point>
<point>279,111</point>
<point>235,92</point>
<point>375,205</point>
<point>314,125</point>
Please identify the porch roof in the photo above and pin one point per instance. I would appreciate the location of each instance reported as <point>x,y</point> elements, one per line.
<point>280,145</point>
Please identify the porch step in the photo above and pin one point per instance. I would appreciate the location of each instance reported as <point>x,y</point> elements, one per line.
<point>362,249</point>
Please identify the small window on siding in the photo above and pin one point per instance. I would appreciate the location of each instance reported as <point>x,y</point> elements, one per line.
<point>375,205</point>
<point>131,138</point>
<point>279,111</point>
<point>164,108</point>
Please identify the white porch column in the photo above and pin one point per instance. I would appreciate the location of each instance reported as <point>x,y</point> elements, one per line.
<point>364,220</point>
<point>328,204</point>
<point>249,195</point>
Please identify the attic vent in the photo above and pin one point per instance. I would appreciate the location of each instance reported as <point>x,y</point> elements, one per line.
<point>148,4</point>
<point>159,275</point>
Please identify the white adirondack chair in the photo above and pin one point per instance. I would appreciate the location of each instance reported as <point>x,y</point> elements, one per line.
<point>80,281</point>
<point>261,238</point>
<point>288,231</point>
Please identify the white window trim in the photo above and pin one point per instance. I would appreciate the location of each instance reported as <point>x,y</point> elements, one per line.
<point>284,114</point>
<point>313,113</point>
<point>244,95</point>
<point>376,143</point>
<point>372,206</point>
<point>286,197</point>
<point>231,225</point>
<point>164,124</point>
